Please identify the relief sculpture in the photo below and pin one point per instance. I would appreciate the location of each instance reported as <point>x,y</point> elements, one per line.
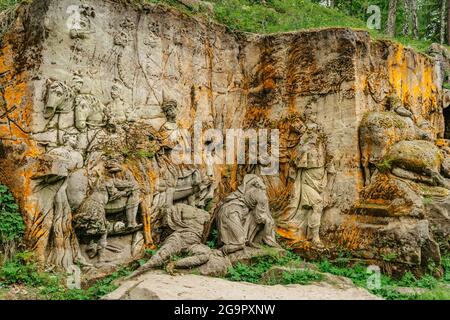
<point>139,130</point>
<point>313,172</point>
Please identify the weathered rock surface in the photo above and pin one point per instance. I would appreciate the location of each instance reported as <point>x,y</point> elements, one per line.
<point>91,93</point>
<point>159,285</point>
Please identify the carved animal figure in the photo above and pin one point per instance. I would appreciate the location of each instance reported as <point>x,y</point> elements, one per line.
<point>89,112</point>
<point>379,131</point>
<point>419,161</point>
<point>65,108</point>
<point>58,109</point>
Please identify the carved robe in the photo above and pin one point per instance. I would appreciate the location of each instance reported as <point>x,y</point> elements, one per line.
<point>52,192</point>
<point>244,217</point>
<point>310,182</point>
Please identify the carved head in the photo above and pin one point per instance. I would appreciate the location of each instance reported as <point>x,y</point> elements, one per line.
<point>309,114</point>
<point>77,83</point>
<point>70,139</point>
<point>114,163</point>
<point>55,96</point>
<point>170,108</point>
<point>250,182</point>
<point>115,91</point>
<point>82,112</point>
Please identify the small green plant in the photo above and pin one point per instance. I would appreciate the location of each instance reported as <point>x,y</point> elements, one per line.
<point>213,239</point>
<point>12,226</point>
<point>8,4</point>
<point>427,200</point>
<point>22,269</point>
<point>385,165</point>
<point>302,277</point>
<point>390,256</point>
<point>145,154</point>
<point>254,271</point>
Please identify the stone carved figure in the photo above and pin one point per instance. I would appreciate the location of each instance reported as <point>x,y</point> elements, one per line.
<point>188,224</point>
<point>123,191</point>
<point>66,107</point>
<point>177,180</point>
<point>90,220</point>
<point>89,111</point>
<point>244,218</point>
<point>83,27</point>
<point>56,169</point>
<point>379,131</point>
<point>313,176</point>
<point>419,161</point>
<point>116,109</point>
<point>58,107</point>
<point>114,192</point>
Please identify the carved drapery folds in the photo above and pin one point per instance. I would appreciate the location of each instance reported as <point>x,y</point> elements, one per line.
<point>90,137</point>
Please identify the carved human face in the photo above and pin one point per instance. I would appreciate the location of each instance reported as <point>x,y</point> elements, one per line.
<point>170,111</point>
<point>71,140</point>
<point>113,165</point>
<point>258,183</point>
<point>78,84</point>
<point>310,115</point>
<point>115,92</point>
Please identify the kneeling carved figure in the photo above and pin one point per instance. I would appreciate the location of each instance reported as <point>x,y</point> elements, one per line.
<point>244,218</point>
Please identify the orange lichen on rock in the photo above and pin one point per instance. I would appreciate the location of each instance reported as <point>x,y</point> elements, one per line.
<point>412,78</point>
<point>350,236</point>
<point>17,168</point>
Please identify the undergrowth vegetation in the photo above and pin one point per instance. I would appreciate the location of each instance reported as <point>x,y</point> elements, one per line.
<point>391,289</point>
<point>12,226</point>
<point>255,271</point>
<point>23,273</point>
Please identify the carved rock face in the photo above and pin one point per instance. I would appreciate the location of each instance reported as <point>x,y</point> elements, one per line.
<point>110,80</point>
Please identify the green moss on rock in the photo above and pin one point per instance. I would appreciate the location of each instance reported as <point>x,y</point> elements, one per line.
<point>416,156</point>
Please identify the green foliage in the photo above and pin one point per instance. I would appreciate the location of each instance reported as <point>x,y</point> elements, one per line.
<point>279,15</point>
<point>391,256</point>
<point>12,226</point>
<point>254,271</point>
<point>288,15</point>
<point>385,165</point>
<point>427,200</point>
<point>358,274</point>
<point>7,4</point>
<point>22,269</point>
<point>302,277</point>
<point>213,239</point>
<point>146,154</point>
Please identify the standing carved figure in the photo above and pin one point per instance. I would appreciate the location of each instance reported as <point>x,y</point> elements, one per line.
<point>313,178</point>
<point>116,109</point>
<point>244,217</point>
<point>58,167</point>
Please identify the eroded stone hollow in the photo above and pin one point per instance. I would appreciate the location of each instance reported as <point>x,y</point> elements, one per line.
<point>94,95</point>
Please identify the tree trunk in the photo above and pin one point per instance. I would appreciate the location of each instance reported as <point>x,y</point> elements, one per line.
<point>392,15</point>
<point>443,14</point>
<point>407,20</point>
<point>448,22</point>
<point>414,18</point>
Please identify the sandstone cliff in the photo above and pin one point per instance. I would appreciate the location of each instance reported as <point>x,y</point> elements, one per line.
<point>63,63</point>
